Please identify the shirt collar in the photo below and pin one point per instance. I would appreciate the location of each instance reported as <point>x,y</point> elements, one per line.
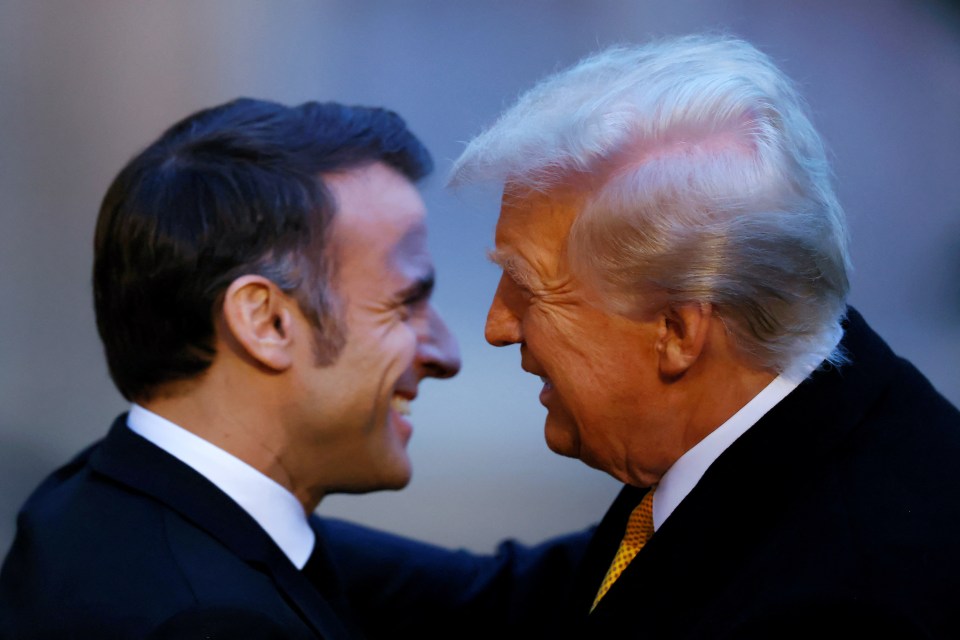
<point>686,472</point>
<point>273,507</point>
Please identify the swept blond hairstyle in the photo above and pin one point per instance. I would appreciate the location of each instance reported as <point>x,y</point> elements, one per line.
<point>706,182</point>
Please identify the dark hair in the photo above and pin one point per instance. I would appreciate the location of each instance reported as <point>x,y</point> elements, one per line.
<point>231,190</point>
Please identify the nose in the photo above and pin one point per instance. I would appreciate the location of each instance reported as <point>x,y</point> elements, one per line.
<point>503,325</point>
<point>438,355</point>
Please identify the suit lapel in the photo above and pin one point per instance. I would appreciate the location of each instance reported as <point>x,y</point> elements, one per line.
<point>137,463</point>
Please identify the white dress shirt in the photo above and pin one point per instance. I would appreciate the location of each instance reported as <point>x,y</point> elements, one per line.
<point>686,472</point>
<point>274,508</point>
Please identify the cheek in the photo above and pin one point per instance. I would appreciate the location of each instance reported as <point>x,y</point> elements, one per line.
<point>553,331</point>
<point>597,383</point>
<point>378,351</point>
<point>396,347</point>
<point>570,356</point>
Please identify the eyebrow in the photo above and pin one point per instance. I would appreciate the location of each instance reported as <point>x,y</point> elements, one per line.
<point>514,266</point>
<point>421,289</point>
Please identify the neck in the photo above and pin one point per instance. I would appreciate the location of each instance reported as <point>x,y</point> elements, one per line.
<point>244,425</point>
<point>720,383</point>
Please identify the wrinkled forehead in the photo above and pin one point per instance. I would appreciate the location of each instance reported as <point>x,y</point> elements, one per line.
<point>534,215</point>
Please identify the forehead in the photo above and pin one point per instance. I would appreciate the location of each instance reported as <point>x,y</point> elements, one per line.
<point>379,214</point>
<point>530,217</point>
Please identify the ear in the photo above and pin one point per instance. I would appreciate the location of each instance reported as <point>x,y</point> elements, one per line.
<point>682,335</point>
<point>258,316</point>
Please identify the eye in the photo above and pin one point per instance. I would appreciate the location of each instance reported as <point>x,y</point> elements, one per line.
<point>517,289</point>
<point>414,299</point>
<point>405,311</point>
<point>412,307</point>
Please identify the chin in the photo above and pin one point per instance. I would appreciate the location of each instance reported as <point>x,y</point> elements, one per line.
<point>398,485</point>
<point>384,482</point>
<point>395,474</point>
<point>382,471</point>
<point>399,481</point>
<point>562,439</point>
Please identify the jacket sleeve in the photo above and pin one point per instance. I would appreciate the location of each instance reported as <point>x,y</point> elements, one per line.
<point>398,584</point>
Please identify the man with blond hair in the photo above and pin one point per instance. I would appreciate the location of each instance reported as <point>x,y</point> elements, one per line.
<point>675,270</point>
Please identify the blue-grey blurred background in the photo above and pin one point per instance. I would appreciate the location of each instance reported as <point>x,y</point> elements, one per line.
<point>84,85</point>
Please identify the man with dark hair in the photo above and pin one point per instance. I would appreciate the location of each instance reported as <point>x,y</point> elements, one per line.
<point>262,288</point>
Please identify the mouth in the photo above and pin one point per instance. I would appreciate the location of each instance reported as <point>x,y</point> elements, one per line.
<point>547,392</point>
<point>534,368</point>
<point>400,414</point>
<point>401,404</point>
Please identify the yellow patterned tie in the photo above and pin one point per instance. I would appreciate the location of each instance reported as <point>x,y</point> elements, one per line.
<point>639,530</point>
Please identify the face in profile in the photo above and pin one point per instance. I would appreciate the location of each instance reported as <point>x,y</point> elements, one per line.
<point>599,371</point>
<point>360,406</point>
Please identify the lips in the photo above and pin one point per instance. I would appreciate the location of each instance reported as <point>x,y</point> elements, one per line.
<point>547,392</point>
<point>534,369</point>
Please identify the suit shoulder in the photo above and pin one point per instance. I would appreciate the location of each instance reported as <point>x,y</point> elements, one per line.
<point>86,549</point>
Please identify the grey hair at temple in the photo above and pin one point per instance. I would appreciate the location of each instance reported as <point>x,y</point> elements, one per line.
<point>703,179</point>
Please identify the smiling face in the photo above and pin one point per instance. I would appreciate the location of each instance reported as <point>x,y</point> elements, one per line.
<point>353,417</point>
<point>605,401</point>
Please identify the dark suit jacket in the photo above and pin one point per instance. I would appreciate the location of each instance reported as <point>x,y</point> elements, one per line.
<point>837,514</point>
<point>128,542</point>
